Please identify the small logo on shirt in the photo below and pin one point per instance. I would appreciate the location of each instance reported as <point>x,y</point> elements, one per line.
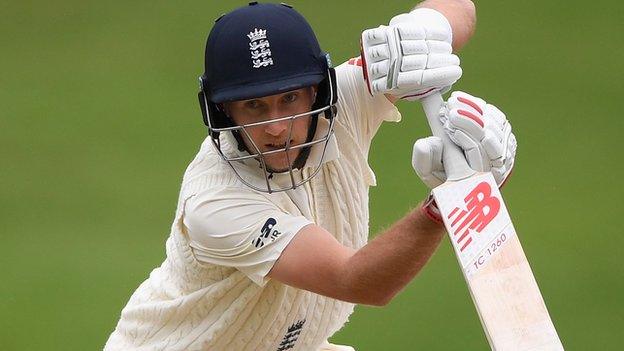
<point>267,233</point>
<point>289,340</point>
<point>259,48</point>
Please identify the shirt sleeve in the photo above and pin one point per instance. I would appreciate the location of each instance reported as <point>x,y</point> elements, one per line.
<point>362,112</point>
<point>237,228</point>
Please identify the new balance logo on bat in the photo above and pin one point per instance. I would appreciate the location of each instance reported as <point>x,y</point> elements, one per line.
<point>481,209</point>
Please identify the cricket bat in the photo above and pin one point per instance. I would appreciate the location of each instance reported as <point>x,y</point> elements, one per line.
<point>502,286</point>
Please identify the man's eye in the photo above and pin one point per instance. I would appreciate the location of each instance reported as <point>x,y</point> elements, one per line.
<point>290,97</point>
<point>252,104</point>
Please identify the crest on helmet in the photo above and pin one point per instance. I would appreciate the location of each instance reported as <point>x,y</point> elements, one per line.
<point>259,47</point>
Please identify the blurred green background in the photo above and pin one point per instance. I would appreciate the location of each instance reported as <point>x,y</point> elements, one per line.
<point>98,119</point>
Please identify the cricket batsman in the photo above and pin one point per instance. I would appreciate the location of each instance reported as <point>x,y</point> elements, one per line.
<point>269,247</point>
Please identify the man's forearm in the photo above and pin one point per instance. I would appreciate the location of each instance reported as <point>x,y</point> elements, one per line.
<point>461,14</point>
<point>383,267</point>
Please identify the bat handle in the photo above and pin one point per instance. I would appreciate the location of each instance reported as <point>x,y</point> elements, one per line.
<point>454,160</point>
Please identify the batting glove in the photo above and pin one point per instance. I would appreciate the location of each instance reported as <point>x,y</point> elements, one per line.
<point>480,129</point>
<point>411,57</point>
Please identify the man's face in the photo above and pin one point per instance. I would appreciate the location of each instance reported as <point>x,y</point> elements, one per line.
<point>275,135</point>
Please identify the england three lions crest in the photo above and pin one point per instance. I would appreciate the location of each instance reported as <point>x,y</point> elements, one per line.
<point>259,47</point>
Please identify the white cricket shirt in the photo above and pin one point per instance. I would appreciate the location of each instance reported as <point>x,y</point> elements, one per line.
<point>211,292</point>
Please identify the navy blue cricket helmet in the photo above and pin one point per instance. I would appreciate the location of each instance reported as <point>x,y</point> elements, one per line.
<point>260,50</point>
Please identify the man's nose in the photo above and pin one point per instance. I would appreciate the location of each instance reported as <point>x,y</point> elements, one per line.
<point>277,128</point>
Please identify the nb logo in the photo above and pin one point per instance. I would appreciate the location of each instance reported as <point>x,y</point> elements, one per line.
<point>266,233</point>
<point>481,209</point>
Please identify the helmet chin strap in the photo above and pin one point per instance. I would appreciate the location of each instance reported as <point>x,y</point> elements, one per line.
<point>235,133</point>
<point>240,142</point>
<point>305,152</point>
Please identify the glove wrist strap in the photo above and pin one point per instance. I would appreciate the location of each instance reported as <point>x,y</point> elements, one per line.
<point>431,210</point>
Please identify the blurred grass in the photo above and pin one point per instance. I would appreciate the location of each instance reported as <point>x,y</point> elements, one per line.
<point>99,120</point>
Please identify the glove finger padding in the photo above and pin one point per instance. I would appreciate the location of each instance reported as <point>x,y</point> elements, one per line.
<point>441,76</point>
<point>427,161</point>
<point>407,31</point>
<point>442,60</point>
<point>413,63</point>
<point>415,47</point>
<point>374,36</point>
<point>501,173</point>
<point>378,70</point>
<point>483,132</point>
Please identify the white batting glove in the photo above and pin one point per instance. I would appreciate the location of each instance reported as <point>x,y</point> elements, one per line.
<point>411,57</point>
<point>480,129</point>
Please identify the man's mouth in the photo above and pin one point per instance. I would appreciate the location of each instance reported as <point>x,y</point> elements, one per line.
<point>277,146</point>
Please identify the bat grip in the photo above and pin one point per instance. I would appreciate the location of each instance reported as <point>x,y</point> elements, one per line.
<point>454,160</point>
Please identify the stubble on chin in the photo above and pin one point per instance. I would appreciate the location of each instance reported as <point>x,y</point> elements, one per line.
<point>280,163</point>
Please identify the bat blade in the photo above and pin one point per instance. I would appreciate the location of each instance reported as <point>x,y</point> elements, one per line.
<point>500,280</point>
